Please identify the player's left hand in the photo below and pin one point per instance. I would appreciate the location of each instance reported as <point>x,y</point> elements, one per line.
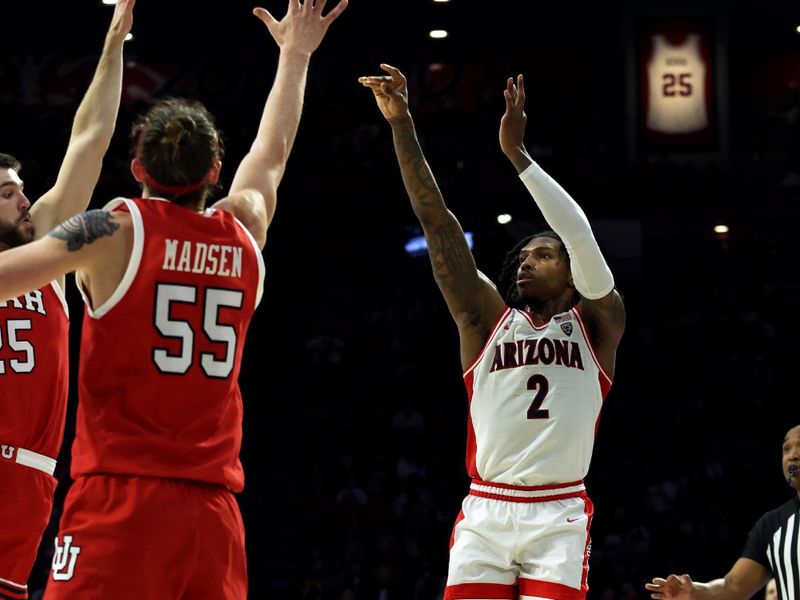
<point>512,124</point>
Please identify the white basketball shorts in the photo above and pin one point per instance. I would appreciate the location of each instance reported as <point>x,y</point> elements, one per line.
<point>513,542</point>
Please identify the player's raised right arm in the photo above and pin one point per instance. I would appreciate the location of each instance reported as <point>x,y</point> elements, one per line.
<point>473,301</point>
<point>92,130</point>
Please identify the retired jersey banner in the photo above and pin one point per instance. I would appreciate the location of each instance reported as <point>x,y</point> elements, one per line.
<point>676,85</point>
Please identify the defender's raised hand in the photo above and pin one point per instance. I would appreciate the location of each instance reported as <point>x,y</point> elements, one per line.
<point>303,26</point>
<point>391,93</point>
<point>122,21</point>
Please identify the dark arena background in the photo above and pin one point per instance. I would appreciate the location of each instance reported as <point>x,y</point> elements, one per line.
<point>355,413</point>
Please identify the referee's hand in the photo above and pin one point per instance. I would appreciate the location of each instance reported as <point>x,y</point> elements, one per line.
<point>674,587</point>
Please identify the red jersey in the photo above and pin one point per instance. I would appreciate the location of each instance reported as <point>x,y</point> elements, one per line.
<point>34,370</point>
<point>160,359</point>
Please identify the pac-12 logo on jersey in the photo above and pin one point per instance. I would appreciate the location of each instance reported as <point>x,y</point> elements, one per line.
<point>64,559</point>
<point>566,328</point>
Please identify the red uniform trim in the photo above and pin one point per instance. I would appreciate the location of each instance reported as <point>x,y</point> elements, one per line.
<point>528,499</point>
<point>528,488</point>
<point>605,380</point>
<point>488,591</point>
<point>536,327</point>
<point>472,444</point>
<point>459,518</point>
<point>588,510</point>
<point>497,324</point>
<point>549,589</point>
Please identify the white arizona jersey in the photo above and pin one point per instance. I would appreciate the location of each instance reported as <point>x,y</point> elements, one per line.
<point>535,394</point>
<point>677,87</point>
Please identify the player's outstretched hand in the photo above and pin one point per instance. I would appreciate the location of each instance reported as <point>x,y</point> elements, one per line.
<point>512,124</point>
<point>303,26</point>
<point>391,92</point>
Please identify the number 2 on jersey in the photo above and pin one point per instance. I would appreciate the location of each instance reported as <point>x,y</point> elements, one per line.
<point>214,299</point>
<point>538,383</point>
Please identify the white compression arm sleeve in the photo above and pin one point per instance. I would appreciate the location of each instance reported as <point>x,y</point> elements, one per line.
<point>592,277</point>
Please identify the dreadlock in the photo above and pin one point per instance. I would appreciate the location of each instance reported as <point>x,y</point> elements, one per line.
<point>508,273</point>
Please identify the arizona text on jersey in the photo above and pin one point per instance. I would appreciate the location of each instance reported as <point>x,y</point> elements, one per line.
<point>535,394</point>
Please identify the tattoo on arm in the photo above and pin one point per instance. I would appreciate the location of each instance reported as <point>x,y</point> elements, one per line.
<point>454,268</point>
<point>450,256</point>
<point>85,229</point>
<point>453,264</point>
<point>417,176</point>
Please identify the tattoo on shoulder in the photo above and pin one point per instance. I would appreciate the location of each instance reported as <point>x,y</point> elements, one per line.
<point>85,228</point>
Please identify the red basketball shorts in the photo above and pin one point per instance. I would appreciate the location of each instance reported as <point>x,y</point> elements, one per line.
<point>130,538</point>
<point>26,490</point>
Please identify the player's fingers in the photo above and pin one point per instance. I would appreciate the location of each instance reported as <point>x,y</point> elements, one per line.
<point>371,85</point>
<point>335,11</point>
<point>520,90</point>
<point>375,83</point>
<point>509,100</point>
<point>393,71</point>
<point>264,15</point>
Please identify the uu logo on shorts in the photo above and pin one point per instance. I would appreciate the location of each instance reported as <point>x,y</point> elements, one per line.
<point>64,559</point>
<point>566,328</point>
<point>7,451</point>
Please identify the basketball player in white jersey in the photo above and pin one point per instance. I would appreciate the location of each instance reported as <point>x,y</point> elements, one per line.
<point>537,365</point>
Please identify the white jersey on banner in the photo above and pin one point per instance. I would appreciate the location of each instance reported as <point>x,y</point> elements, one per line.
<point>677,82</point>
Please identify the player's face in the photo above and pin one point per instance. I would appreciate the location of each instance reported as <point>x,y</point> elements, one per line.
<point>16,227</point>
<point>543,272</point>
<point>791,457</point>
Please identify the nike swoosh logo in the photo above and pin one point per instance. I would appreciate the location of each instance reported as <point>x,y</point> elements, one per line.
<point>573,520</point>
